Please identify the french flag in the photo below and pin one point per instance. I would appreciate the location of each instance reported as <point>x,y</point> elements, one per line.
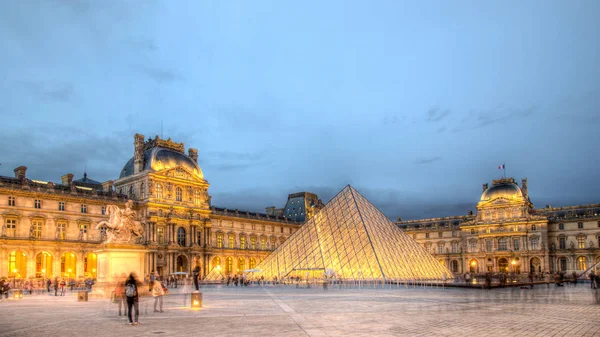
<point>501,167</point>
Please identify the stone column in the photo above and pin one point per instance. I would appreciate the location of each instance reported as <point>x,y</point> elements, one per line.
<point>79,270</point>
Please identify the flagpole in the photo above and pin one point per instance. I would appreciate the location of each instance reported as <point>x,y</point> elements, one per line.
<point>504,169</point>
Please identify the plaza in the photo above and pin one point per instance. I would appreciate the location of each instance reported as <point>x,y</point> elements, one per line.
<point>290,311</point>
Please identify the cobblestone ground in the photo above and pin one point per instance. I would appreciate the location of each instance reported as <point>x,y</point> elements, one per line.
<point>287,311</point>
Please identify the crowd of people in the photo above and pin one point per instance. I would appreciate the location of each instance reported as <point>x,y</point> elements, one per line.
<point>58,286</point>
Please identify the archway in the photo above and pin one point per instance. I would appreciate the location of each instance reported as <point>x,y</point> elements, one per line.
<point>17,264</point>
<point>182,264</point>
<point>252,263</point>
<point>43,265</point>
<point>216,262</point>
<point>473,266</point>
<point>535,265</point>
<point>503,265</point>
<point>581,263</point>
<point>241,265</point>
<point>454,266</point>
<point>90,265</point>
<point>68,265</point>
<point>229,266</point>
<point>562,263</point>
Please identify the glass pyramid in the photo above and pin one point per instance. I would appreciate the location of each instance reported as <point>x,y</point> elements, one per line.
<point>350,239</point>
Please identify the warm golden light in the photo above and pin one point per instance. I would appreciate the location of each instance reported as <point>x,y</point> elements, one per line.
<point>473,263</point>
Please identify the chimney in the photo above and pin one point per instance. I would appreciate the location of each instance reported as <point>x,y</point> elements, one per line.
<point>524,187</point>
<point>20,172</point>
<point>470,212</point>
<point>67,179</point>
<point>138,153</point>
<point>484,186</point>
<point>399,219</point>
<point>193,153</point>
<point>107,186</point>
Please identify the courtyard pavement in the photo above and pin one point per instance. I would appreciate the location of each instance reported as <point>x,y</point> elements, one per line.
<point>287,311</point>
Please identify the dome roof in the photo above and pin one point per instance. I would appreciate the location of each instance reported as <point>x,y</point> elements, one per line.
<point>159,158</point>
<point>507,190</point>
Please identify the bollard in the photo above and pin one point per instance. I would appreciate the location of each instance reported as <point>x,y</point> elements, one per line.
<point>196,299</point>
<point>17,294</point>
<point>82,296</point>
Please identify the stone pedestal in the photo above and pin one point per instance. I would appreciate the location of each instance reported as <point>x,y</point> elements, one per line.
<point>114,261</point>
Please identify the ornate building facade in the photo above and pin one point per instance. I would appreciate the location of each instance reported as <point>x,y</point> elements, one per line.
<point>49,230</point>
<point>507,234</point>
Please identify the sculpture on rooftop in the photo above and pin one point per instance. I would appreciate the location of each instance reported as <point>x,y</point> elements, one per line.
<point>121,226</point>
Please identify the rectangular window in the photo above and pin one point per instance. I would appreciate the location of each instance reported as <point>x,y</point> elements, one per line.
<point>562,243</point>
<point>502,244</point>
<point>453,234</point>
<point>440,234</point>
<point>580,225</point>
<point>11,228</point>
<point>61,205</point>
<point>83,231</point>
<point>440,249</point>
<point>263,243</point>
<point>160,235</point>
<point>454,247</point>
<point>37,203</point>
<point>516,245</point>
<point>533,227</point>
<point>426,235</point>
<point>83,208</point>
<point>581,242</point>
<point>243,242</point>
<point>103,210</point>
<point>534,243</point>
<point>61,231</point>
<point>253,242</point>
<point>37,229</point>
<point>282,229</point>
<point>488,245</point>
<point>473,246</point>
<point>231,241</point>
<point>561,226</point>
<point>262,227</point>
<point>219,240</point>
<point>11,202</point>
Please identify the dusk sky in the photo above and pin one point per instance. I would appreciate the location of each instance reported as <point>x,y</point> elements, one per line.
<point>415,104</point>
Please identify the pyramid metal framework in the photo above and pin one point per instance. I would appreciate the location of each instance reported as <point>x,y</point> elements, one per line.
<point>351,239</point>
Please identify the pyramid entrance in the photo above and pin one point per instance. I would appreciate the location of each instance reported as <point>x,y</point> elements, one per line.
<point>350,239</point>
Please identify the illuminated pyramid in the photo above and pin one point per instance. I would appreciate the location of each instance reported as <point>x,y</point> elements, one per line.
<point>351,239</point>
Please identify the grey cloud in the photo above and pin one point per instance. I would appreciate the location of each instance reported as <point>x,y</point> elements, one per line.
<point>162,75</point>
<point>389,120</point>
<point>143,43</point>
<point>501,115</point>
<point>427,160</point>
<point>57,92</point>
<point>435,114</point>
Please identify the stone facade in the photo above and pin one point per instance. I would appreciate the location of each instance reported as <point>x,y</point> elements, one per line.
<point>507,234</point>
<point>49,230</point>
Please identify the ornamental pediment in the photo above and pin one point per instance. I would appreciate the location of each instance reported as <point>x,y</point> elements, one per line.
<point>180,173</point>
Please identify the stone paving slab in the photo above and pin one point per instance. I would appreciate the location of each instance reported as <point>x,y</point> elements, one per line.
<point>287,311</point>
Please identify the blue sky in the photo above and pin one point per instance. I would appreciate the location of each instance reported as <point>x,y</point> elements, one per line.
<point>415,104</point>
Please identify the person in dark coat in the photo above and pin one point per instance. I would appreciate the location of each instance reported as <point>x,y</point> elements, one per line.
<point>133,298</point>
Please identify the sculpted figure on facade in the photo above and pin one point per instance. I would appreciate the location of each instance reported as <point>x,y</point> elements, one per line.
<point>3,229</point>
<point>121,225</point>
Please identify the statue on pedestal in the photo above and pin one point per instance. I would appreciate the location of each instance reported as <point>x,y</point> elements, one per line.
<point>121,226</point>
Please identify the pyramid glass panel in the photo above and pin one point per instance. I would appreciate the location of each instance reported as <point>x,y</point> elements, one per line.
<point>350,239</point>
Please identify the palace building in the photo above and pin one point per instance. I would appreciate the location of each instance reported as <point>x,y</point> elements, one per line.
<point>49,230</point>
<point>507,234</point>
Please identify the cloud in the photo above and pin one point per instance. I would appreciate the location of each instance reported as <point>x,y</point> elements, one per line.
<point>435,114</point>
<point>56,92</point>
<point>233,161</point>
<point>389,120</point>
<point>162,75</point>
<point>500,115</point>
<point>427,160</point>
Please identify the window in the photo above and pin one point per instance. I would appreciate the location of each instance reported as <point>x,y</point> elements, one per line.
<point>262,227</point>
<point>229,265</point>
<point>533,227</point>
<point>263,243</point>
<point>199,238</point>
<point>562,243</point>
<point>473,246</point>
<point>159,191</point>
<point>103,232</point>
<point>241,264</point>
<point>502,244</point>
<point>291,231</point>
<point>454,247</point>
<point>242,242</point>
<point>11,227</point>
<point>181,236</point>
<point>581,242</point>
<point>281,228</point>
<point>142,191</point>
<point>83,231</point>
<point>231,241</point>
<point>253,242</point>
<point>131,194</point>
<point>103,210</point>
<point>488,245</point>
<point>453,234</point>
<point>178,194</point>
<point>37,203</point>
<point>428,247</point>
<point>581,263</point>
<point>160,235</point>
<point>472,230</point>
<point>219,240</point>
<point>562,262</point>
<point>440,234</point>
<point>426,235</point>
<point>516,245</point>
<point>252,263</point>
<point>580,225</point>
<point>561,226</point>
<point>515,228</point>
<point>440,248</point>
<point>61,230</point>
<point>11,202</point>
<point>61,205</point>
<point>534,243</point>
<point>488,230</point>
<point>36,229</point>
<point>196,197</point>
<point>83,208</point>
<point>273,243</point>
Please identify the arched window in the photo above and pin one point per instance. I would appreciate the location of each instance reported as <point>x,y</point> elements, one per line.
<point>160,235</point>
<point>36,229</point>
<point>231,241</point>
<point>229,266</point>
<point>159,191</point>
<point>242,242</point>
<point>562,264</point>
<point>89,265</point>
<point>68,265</point>
<point>17,264</point>
<point>454,266</point>
<point>263,243</point>
<point>252,263</point>
<point>181,236</point>
<point>253,242</point>
<point>131,194</point>
<point>241,265</point>
<point>196,197</point>
<point>502,244</point>
<point>178,194</point>
<point>43,265</point>
<point>581,241</point>
<point>533,227</point>
<point>473,266</point>
<point>219,240</point>
<point>216,262</point>
<point>582,263</point>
